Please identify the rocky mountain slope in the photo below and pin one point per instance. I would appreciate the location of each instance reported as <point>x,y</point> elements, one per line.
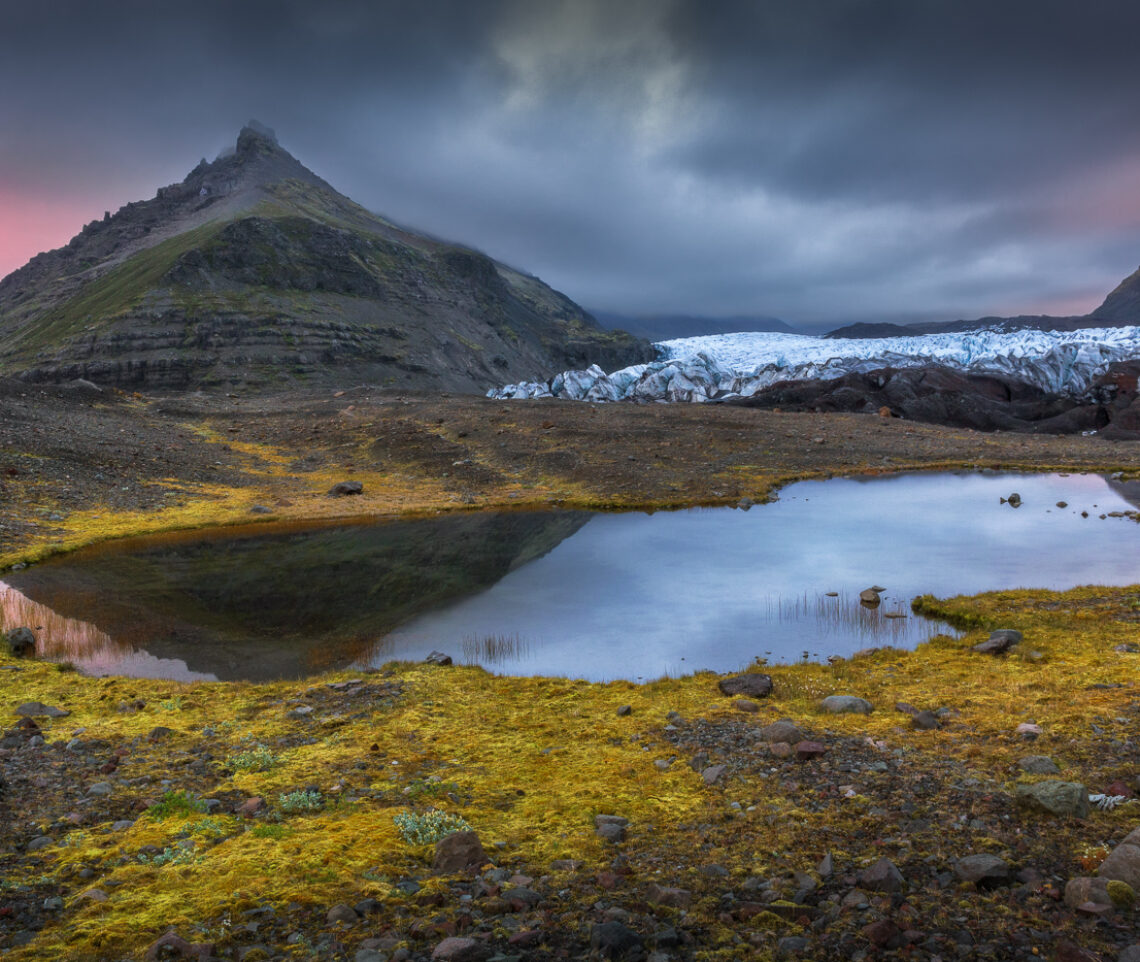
<point>253,271</point>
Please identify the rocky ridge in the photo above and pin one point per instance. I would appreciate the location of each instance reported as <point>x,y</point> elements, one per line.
<point>253,271</point>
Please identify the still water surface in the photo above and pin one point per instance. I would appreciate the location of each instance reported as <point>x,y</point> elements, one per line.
<point>584,595</point>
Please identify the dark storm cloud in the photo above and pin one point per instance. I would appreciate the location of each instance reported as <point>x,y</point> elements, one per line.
<point>827,161</point>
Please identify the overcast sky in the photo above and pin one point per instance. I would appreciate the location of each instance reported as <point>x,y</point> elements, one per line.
<point>822,161</point>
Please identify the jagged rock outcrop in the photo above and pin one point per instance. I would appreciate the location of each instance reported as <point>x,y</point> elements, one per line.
<point>254,271</point>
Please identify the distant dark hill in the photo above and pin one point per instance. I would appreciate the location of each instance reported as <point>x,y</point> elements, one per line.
<point>253,271</point>
<point>1122,306</point>
<point>1120,309</point>
<point>665,327</point>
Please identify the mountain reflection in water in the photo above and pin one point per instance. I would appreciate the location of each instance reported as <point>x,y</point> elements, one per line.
<point>569,593</point>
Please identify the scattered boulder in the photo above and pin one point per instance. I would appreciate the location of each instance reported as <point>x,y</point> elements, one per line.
<point>624,710</point>
<point>21,642</point>
<point>1038,765</point>
<point>838,704</point>
<point>455,949</point>
<point>1091,894</point>
<point>438,658</point>
<point>1014,500</point>
<point>754,684</point>
<point>999,641</point>
<point>458,852</point>
<point>1055,797</point>
<point>37,709</point>
<point>612,940</point>
<point>781,749</point>
<point>870,597</point>
<point>669,896</point>
<point>983,870</point>
<point>344,488</point>
<point>743,704</point>
<point>342,913</point>
<point>1123,864</point>
<point>807,750</point>
<point>883,876</point>
<point>611,827</point>
<point>783,730</point>
<point>172,945</point>
<point>713,774</point>
<point>925,720</point>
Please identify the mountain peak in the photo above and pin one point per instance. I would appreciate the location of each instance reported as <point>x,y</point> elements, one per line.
<point>253,132</point>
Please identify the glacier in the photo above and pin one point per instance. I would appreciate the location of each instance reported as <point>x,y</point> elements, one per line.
<point>725,366</point>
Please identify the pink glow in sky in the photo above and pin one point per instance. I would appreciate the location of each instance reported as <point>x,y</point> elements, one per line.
<point>29,225</point>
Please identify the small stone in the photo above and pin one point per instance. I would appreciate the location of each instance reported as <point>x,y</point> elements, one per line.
<point>837,704</point>
<point>260,509</point>
<point>461,950</point>
<point>806,750</point>
<point>713,774</point>
<point>614,940</point>
<point>341,913</point>
<point>999,641</point>
<point>869,597</point>
<point>793,944</point>
<point>40,841</point>
<point>122,825</point>
<point>1028,730</point>
<point>669,896</point>
<point>926,721</point>
<point>344,488</point>
<point>752,685</point>
<point>158,733</point>
<point>625,710</point>
<point>743,704</point>
<point>883,876</point>
<point>100,788</point>
<point>251,806</point>
<point>37,709</point>
<point>781,750</point>
<point>93,895</point>
<point>438,658</point>
<point>780,731</point>
<point>883,933</point>
<point>458,852</point>
<point>1038,765</point>
<point>1055,797</point>
<point>173,945</point>
<point>983,870</point>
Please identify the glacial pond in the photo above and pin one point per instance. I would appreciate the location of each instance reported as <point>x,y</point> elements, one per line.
<point>578,594</point>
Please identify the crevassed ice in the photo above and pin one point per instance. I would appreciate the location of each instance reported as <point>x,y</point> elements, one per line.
<point>738,365</point>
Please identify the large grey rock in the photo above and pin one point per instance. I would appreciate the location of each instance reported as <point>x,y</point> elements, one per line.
<point>1055,797</point>
<point>754,684</point>
<point>458,852</point>
<point>1122,864</point>
<point>838,704</point>
<point>21,642</point>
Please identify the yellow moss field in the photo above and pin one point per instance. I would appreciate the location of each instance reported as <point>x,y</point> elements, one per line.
<point>528,762</point>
